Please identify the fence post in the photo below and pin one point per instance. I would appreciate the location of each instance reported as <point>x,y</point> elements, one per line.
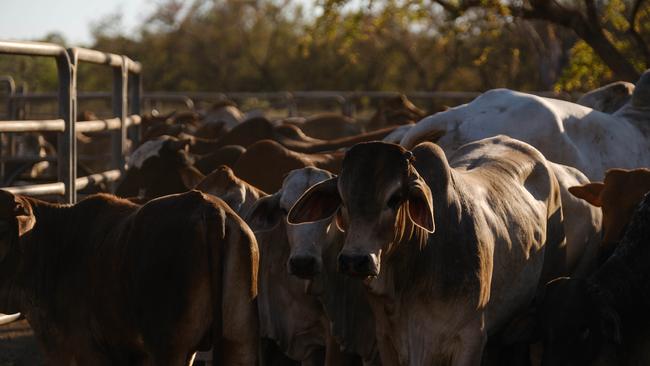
<point>135,86</point>
<point>67,141</point>
<point>120,104</point>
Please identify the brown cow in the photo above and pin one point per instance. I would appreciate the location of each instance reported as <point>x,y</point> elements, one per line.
<point>108,282</point>
<point>265,164</point>
<point>328,126</point>
<point>159,167</point>
<point>618,197</point>
<point>259,128</point>
<point>226,155</point>
<point>238,194</point>
<point>438,294</point>
<point>395,111</point>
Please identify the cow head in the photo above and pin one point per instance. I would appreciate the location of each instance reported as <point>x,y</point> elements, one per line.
<point>576,324</point>
<point>159,167</point>
<point>306,241</point>
<point>379,199</point>
<point>16,220</point>
<point>618,197</point>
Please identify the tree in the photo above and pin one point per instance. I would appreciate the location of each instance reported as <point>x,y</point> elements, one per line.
<point>602,25</point>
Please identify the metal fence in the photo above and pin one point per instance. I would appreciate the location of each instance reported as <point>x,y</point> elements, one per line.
<point>125,97</point>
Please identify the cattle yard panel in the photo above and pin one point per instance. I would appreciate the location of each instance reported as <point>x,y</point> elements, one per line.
<point>124,70</point>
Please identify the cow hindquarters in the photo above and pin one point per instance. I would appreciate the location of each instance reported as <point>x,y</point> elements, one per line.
<point>236,306</point>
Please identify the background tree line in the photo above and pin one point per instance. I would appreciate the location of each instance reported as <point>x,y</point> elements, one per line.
<point>403,45</point>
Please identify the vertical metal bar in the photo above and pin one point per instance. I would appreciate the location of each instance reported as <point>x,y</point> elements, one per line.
<point>135,86</point>
<point>4,138</point>
<point>67,141</point>
<point>120,104</point>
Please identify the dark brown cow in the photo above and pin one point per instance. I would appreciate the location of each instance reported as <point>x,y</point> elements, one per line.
<point>265,164</point>
<point>603,320</point>
<point>108,282</point>
<point>159,167</point>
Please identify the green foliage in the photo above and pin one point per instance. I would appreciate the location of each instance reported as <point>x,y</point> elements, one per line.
<point>586,70</point>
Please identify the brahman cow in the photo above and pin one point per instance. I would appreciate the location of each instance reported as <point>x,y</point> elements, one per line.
<point>609,98</point>
<point>564,132</point>
<point>238,194</point>
<point>164,166</point>
<point>290,136</point>
<point>326,126</point>
<point>450,250</point>
<point>313,256</point>
<point>618,197</point>
<point>265,164</point>
<point>108,282</point>
<point>159,167</point>
<point>603,320</point>
<point>395,111</point>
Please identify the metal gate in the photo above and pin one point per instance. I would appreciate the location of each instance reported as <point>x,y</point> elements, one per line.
<point>126,91</point>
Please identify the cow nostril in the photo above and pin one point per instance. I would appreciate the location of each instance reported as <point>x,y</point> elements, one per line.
<point>303,266</point>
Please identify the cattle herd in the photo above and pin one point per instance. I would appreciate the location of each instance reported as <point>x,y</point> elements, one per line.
<point>506,231</point>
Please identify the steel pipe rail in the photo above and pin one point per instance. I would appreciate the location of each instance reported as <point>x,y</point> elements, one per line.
<point>57,188</point>
<point>57,125</point>
<point>32,49</point>
<point>107,176</point>
<point>126,77</point>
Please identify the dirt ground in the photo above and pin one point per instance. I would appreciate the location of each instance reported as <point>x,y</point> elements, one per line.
<point>18,346</point>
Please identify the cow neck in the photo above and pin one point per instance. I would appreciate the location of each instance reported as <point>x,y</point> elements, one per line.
<point>624,280</point>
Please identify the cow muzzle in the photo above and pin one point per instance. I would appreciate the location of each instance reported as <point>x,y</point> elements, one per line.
<point>304,266</point>
<point>358,265</point>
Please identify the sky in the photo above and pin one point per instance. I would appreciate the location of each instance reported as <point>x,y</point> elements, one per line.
<point>33,19</point>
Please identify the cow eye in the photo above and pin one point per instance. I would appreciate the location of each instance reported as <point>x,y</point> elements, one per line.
<point>395,200</point>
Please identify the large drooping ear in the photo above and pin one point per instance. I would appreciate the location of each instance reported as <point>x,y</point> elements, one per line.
<point>420,205</point>
<point>589,192</point>
<point>265,214</point>
<point>317,203</point>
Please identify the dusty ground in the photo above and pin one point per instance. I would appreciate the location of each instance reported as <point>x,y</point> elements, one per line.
<point>18,346</point>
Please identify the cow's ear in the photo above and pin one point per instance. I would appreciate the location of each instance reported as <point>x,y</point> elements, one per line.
<point>265,214</point>
<point>589,192</point>
<point>420,205</point>
<point>317,203</point>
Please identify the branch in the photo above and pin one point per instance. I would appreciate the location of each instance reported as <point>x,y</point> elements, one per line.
<point>635,35</point>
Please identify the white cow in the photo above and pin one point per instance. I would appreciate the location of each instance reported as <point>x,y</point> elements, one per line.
<point>564,132</point>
